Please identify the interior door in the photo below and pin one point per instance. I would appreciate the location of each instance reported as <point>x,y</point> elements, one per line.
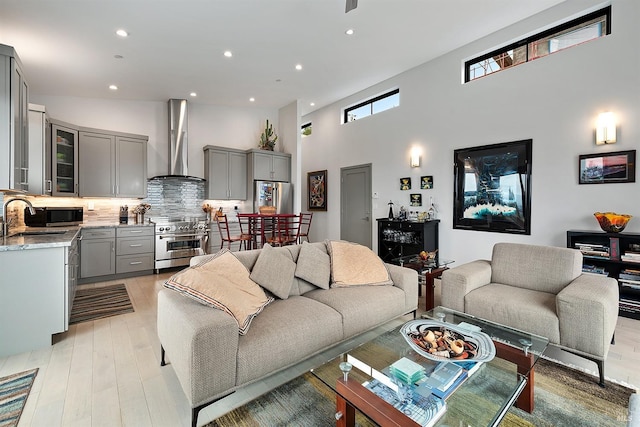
<point>355,203</point>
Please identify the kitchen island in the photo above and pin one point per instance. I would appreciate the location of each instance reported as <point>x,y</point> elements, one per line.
<point>37,288</point>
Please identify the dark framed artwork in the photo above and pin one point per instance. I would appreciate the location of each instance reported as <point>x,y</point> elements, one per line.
<point>317,190</point>
<point>405,184</point>
<point>426,182</point>
<point>606,168</point>
<point>492,188</point>
<point>416,199</point>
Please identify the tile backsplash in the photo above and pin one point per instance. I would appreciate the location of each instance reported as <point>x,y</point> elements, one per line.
<point>173,197</point>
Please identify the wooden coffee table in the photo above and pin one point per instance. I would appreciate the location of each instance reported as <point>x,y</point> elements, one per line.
<point>509,375</point>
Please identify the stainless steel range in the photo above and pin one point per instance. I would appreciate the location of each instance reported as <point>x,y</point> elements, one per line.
<point>179,239</point>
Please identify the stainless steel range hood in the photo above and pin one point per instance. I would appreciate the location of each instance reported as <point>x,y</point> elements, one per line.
<point>178,142</point>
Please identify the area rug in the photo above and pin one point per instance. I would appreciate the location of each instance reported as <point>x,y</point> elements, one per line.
<point>14,391</point>
<point>563,397</point>
<point>98,303</point>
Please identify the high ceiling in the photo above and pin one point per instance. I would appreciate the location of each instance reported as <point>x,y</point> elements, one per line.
<point>175,47</point>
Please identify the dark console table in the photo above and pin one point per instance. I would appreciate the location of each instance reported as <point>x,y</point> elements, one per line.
<point>401,238</point>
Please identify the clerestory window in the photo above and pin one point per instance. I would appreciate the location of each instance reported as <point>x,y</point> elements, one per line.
<point>580,30</point>
<point>372,106</point>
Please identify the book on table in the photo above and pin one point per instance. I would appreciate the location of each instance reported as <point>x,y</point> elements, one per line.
<point>443,377</point>
<point>424,410</point>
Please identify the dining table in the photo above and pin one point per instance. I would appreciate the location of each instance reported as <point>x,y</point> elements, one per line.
<point>261,225</point>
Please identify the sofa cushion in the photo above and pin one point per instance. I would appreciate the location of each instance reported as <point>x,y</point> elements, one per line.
<point>355,265</point>
<point>520,308</point>
<point>539,268</point>
<point>314,266</point>
<point>274,271</point>
<point>222,282</point>
<point>362,307</point>
<point>286,332</point>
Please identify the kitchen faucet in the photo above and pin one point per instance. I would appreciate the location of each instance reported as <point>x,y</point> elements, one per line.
<point>3,219</point>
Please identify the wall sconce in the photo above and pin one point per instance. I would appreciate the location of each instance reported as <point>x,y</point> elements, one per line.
<point>415,159</point>
<point>606,129</point>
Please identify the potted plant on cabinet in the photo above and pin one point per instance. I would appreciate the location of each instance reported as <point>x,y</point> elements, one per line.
<point>268,138</point>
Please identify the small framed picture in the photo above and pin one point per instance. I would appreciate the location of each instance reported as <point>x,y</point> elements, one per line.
<point>605,168</point>
<point>426,182</point>
<point>317,190</point>
<point>405,184</point>
<point>416,200</point>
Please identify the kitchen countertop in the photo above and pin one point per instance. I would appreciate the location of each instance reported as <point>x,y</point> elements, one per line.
<point>60,237</point>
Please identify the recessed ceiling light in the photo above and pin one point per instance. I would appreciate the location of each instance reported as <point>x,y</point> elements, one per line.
<point>312,104</point>
<point>252,99</point>
<point>349,32</point>
<point>122,33</point>
<point>193,94</point>
<point>228,54</point>
<point>298,67</point>
<point>113,87</point>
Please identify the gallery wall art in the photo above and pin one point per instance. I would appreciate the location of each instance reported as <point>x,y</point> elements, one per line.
<point>492,188</point>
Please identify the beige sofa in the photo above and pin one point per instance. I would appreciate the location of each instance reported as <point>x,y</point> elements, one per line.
<point>542,290</point>
<point>211,359</point>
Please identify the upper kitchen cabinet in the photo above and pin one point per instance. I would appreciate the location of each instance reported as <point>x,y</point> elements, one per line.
<point>39,151</point>
<point>112,164</point>
<point>269,165</point>
<point>225,170</point>
<point>64,159</point>
<point>14,122</point>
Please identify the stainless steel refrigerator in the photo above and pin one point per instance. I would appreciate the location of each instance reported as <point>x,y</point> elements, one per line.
<point>271,193</point>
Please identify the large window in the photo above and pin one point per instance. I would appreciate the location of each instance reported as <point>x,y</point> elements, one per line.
<point>372,106</point>
<point>572,33</point>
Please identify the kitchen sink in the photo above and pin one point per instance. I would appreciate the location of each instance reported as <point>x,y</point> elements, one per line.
<point>37,233</point>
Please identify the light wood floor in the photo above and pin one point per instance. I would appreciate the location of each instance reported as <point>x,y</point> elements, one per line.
<point>107,372</point>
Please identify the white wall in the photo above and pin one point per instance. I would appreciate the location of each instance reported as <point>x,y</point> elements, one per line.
<point>208,125</point>
<point>553,100</point>
<point>289,142</point>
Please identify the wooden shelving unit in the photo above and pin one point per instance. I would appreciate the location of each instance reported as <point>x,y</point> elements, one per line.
<point>616,255</point>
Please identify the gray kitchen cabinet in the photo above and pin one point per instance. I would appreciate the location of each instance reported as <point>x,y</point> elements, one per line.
<point>98,252</point>
<point>34,298</point>
<point>225,170</point>
<point>135,249</point>
<point>39,151</point>
<point>14,122</point>
<point>269,165</point>
<point>64,159</point>
<point>112,164</point>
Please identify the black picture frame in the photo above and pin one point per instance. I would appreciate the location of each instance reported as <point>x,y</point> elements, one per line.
<point>405,184</point>
<point>415,199</point>
<point>492,188</point>
<point>317,190</point>
<point>607,168</point>
<point>426,182</point>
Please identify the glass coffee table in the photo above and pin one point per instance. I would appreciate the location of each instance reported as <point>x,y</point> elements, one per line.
<point>482,398</point>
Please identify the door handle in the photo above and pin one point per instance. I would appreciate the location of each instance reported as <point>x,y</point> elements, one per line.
<point>366,218</point>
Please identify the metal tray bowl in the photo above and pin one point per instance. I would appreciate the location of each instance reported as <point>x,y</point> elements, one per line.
<point>478,346</point>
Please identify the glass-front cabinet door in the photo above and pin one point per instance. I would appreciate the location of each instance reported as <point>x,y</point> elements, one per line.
<point>64,151</point>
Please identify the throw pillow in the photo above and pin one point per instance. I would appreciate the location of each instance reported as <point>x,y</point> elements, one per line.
<point>222,282</point>
<point>353,265</point>
<point>274,271</point>
<point>314,266</point>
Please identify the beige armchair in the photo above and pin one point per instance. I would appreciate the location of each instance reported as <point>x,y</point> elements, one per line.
<point>542,290</point>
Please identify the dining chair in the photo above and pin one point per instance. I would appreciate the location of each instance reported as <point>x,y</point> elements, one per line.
<point>285,231</point>
<point>225,234</point>
<point>305,225</point>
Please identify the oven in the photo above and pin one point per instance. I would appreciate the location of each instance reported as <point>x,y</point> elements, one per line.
<point>178,241</point>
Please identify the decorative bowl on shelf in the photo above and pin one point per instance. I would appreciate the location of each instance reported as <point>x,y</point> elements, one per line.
<point>612,222</point>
